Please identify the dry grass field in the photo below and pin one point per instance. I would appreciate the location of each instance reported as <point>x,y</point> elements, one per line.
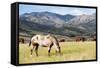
<point>71,51</point>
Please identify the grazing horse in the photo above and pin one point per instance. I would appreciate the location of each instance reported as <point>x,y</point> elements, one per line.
<point>44,41</point>
<point>79,38</point>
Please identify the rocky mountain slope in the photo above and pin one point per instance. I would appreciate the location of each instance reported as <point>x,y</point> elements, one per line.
<point>67,25</point>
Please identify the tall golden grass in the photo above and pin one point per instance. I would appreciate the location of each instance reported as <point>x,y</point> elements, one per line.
<point>71,51</point>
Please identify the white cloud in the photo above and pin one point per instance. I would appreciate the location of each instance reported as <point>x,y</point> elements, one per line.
<point>77,12</point>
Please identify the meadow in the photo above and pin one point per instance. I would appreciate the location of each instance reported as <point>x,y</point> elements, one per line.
<point>71,51</point>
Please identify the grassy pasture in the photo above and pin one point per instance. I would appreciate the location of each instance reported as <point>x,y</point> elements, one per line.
<point>71,51</point>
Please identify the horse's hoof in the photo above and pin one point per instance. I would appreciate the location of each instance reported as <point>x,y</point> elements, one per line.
<point>30,55</point>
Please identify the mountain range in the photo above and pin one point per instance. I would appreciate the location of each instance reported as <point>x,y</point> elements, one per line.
<point>66,25</point>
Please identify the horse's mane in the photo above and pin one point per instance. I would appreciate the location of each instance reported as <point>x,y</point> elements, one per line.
<point>55,39</point>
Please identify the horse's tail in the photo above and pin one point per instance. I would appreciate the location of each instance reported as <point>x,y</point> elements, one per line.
<point>30,43</point>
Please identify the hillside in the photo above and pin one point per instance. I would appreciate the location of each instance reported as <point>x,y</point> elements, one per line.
<point>66,25</point>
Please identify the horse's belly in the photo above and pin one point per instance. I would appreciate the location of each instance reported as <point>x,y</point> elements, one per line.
<point>45,43</point>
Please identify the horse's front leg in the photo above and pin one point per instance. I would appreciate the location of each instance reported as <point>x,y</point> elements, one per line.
<point>49,49</point>
<point>58,50</point>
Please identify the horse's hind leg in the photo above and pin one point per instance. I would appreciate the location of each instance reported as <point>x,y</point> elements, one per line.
<point>31,51</point>
<point>36,49</point>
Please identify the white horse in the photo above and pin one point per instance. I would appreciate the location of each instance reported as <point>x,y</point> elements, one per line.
<point>44,41</point>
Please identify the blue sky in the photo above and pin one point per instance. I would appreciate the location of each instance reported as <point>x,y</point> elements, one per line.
<point>55,9</point>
